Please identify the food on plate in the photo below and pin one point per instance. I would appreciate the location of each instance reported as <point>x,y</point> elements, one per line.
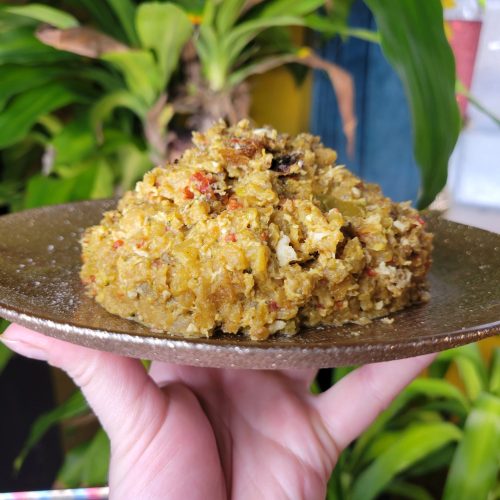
<point>255,232</point>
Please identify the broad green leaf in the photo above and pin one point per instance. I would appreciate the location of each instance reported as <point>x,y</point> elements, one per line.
<point>413,444</point>
<point>20,46</point>
<point>414,42</point>
<point>23,110</point>
<point>45,14</point>
<point>41,191</point>
<point>140,72</point>
<point>74,406</point>
<point>125,12</point>
<point>475,466</point>
<point>495,372</point>
<point>164,28</point>
<point>87,464</point>
<point>16,79</point>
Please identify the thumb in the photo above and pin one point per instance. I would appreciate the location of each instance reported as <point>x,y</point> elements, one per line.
<point>117,388</point>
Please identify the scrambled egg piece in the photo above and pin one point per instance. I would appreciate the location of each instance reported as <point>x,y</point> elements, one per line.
<point>256,232</point>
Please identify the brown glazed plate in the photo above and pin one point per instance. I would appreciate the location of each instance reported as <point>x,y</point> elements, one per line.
<point>40,289</point>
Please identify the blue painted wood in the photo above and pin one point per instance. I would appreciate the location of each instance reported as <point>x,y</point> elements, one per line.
<point>384,146</point>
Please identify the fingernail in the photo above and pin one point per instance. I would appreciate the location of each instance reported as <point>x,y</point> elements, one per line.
<point>24,348</point>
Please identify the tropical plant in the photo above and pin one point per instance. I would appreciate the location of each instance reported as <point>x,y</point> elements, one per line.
<point>62,83</point>
<point>432,427</point>
<point>92,92</point>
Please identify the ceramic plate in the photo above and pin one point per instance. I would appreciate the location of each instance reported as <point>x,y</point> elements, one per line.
<point>40,288</point>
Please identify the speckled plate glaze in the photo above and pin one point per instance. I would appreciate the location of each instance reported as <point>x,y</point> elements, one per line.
<point>40,288</point>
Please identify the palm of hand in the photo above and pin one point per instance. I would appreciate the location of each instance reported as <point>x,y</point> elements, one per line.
<point>234,433</point>
<point>181,432</point>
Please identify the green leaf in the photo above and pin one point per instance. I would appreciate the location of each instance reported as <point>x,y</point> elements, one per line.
<point>5,355</point>
<point>21,47</point>
<point>475,466</point>
<point>325,26</point>
<point>103,16</point>
<point>45,14</point>
<point>286,8</point>
<point>125,12</point>
<point>5,352</point>
<point>436,388</point>
<point>413,40</point>
<point>74,406</point>
<point>413,444</point>
<point>495,372</point>
<point>227,14</point>
<point>41,191</point>
<point>245,32</point>
<point>87,464</point>
<point>74,143</point>
<point>473,382</point>
<point>17,79</point>
<point>23,111</point>
<point>437,461</point>
<point>141,74</point>
<point>103,181</point>
<point>340,372</point>
<point>3,325</point>
<point>134,163</point>
<point>105,106</point>
<point>164,28</point>
<point>8,190</point>
<point>403,489</point>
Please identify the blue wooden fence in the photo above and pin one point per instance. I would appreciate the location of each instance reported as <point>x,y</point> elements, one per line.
<point>384,147</point>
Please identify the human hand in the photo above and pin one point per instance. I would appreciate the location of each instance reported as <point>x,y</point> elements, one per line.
<point>184,432</point>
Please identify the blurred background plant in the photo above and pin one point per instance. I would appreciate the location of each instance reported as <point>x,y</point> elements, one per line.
<point>94,93</point>
<point>437,439</point>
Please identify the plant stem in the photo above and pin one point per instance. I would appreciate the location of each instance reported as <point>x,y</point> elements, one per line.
<point>460,88</point>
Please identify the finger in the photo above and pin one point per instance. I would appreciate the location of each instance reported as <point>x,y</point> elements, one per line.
<point>165,373</point>
<point>117,388</point>
<point>302,377</point>
<point>349,407</point>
